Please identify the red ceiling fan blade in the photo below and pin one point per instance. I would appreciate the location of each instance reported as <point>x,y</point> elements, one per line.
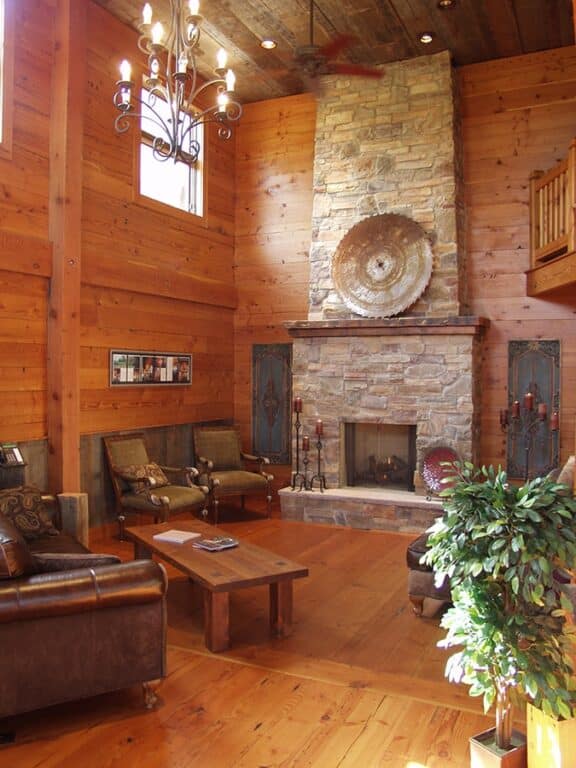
<point>335,46</point>
<point>355,69</point>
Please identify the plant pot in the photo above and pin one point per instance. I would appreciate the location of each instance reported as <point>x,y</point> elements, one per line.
<point>550,742</point>
<point>485,754</point>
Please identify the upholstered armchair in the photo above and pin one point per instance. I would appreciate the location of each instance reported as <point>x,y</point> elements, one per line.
<point>140,485</point>
<point>227,470</point>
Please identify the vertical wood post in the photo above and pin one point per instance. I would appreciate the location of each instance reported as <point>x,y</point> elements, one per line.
<point>65,219</point>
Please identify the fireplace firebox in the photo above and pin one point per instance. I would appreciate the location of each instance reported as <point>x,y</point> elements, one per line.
<point>380,455</point>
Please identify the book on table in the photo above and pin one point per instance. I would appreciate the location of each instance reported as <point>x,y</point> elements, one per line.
<point>176,537</point>
<point>216,543</point>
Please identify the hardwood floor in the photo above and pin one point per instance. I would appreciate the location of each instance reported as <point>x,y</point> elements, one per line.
<point>358,684</point>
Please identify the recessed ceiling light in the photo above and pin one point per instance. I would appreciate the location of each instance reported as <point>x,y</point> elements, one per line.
<point>268,45</point>
<point>426,37</point>
<point>445,4</point>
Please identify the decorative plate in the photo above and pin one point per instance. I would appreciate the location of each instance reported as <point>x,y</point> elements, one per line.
<point>433,470</point>
<point>382,265</point>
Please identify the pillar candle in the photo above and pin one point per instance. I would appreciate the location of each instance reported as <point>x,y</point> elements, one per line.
<point>554,422</point>
<point>305,443</point>
<point>529,401</point>
<point>542,411</point>
<point>319,428</point>
<point>298,405</point>
<point>516,409</point>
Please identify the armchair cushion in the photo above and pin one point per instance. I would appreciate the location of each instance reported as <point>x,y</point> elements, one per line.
<point>177,497</point>
<point>25,508</point>
<point>220,446</point>
<point>241,481</point>
<point>142,477</point>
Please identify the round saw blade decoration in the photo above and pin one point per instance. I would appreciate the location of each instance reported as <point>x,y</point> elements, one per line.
<point>382,265</point>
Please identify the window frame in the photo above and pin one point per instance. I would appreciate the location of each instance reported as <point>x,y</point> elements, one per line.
<point>143,137</point>
<point>7,10</point>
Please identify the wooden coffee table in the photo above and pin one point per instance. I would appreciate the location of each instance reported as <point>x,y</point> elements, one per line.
<point>218,573</point>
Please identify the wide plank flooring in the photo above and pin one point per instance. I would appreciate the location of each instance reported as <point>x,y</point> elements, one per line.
<point>359,683</point>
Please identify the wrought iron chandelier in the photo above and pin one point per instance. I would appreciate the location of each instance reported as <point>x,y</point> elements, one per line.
<point>170,99</point>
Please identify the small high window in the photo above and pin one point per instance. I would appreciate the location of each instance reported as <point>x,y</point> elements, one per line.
<point>2,67</point>
<point>174,183</point>
<point>6,71</point>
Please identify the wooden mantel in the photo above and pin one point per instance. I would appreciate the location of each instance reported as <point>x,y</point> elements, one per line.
<point>463,325</point>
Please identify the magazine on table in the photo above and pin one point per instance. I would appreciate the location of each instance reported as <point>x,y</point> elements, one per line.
<point>216,543</point>
<point>176,537</point>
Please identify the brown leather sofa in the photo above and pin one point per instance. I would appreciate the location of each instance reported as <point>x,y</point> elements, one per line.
<point>74,624</point>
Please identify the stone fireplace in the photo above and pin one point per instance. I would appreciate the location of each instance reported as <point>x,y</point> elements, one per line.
<point>386,153</point>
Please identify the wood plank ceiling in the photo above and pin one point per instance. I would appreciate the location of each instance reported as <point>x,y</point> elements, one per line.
<point>383,30</point>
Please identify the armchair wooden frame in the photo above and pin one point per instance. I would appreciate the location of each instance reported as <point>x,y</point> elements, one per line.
<point>151,500</point>
<point>245,475</point>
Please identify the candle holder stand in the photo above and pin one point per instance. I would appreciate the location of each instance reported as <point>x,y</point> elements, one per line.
<point>297,476</point>
<point>318,476</point>
<point>530,426</point>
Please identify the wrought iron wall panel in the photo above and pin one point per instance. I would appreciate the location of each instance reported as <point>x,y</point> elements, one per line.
<point>533,366</point>
<point>271,396</point>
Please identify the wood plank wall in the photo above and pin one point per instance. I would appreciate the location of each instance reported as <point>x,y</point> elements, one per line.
<point>519,115</point>
<point>25,252</point>
<point>152,279</point>
<point>275,154</point>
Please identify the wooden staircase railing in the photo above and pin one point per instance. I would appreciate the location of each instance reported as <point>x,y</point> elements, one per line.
<point>553,226</point>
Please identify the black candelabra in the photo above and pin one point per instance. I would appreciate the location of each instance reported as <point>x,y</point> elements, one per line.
<point>529,423</point>
<point>297,476</point>
<point>301,478</point>
<point>318,476</point>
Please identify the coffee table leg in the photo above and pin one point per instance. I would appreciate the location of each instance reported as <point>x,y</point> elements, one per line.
<point>216,620</point>
<point>141,552</point>
<point>281,607</point>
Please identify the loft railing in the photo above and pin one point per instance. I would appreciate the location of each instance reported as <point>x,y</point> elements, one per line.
<point>552,223</point>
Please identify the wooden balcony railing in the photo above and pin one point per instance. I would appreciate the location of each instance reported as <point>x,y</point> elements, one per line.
<point>553,227</point>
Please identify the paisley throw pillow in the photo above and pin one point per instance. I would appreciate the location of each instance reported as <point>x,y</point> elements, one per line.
<point>24,507</point>
<point>142,477</point>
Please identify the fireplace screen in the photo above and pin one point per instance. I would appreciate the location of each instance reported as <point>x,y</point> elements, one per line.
<point>380,455</point>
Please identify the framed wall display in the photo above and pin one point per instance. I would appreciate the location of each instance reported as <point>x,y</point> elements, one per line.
<point>271,387</point>
<point>129,368</point>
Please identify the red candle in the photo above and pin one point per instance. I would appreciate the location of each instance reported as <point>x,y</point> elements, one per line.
<point>305,443</point>
<point>319,428</point>
<point>298,405</point>
<point>554,422</point>
<point>516,409</point>
<point>542,411</point>
<point>529,401</point>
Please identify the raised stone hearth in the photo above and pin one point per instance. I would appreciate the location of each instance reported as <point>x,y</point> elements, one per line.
<point>363,508</point>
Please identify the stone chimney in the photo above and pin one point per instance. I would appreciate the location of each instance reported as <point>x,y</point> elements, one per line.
<point>389,150</point>
<point>390,146</point>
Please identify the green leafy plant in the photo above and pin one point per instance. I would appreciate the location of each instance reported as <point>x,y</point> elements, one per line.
<point>502,548</point>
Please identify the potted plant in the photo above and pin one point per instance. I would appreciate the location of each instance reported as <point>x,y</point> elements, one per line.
<point>501,547</point>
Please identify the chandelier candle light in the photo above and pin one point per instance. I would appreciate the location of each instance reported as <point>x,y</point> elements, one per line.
<point>172,101</point>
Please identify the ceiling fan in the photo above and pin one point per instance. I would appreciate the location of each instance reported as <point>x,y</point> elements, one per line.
<point>315,60</point>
